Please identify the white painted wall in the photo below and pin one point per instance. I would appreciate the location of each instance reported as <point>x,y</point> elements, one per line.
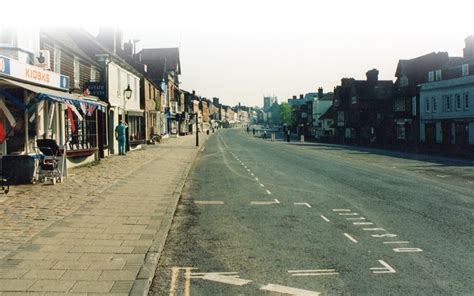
<point>119,79</point>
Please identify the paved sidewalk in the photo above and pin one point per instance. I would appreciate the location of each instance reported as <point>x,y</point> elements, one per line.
<point>101,232</point>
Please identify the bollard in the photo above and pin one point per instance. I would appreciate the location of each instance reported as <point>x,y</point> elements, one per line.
<point>273,137</point>
<point>301,138</point>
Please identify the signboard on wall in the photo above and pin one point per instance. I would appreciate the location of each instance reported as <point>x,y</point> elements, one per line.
<point>98,89</point>
<point>15,69</point>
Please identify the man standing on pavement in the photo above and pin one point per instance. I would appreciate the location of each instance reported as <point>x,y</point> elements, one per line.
<point>120,135</point>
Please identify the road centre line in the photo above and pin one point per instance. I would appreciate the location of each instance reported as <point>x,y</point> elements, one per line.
<point>350,238</point>
<point>362,223</point>
<point>209,202</point>
<point>384,235</point>
<point>407,250</point>
<point>302,204</point>
<point>373,229</point>
<point>341,210</point>
<point>358,218</point>
<point>288,290</point>
<point>324,218</point>
<point>397,242</point>
<point>348,214</point>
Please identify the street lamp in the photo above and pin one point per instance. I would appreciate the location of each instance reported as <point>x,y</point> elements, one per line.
<point>127,94</point>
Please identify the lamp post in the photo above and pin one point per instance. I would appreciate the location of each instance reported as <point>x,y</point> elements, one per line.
<point>197,131</point>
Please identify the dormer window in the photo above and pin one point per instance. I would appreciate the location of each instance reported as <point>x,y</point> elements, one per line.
<point>465,69</point>
<point>430,76</point>
<point>403,81</point>
<point>438,75</point>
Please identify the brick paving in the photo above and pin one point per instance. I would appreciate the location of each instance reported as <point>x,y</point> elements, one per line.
<point>92,234</point>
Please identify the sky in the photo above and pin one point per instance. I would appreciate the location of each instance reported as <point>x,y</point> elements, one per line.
<point>242,50</point>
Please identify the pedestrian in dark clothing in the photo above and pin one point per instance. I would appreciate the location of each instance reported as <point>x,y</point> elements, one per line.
<point>253,130</point>
<point>120,136</point>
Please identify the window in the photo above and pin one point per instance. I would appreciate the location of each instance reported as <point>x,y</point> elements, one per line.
<point>57,59</point>
<point>431,76</point>
<point>77,72</point>
<point>433,102</point>
<point>438,75</point>
<point>354,100</point>
<point>93,74</point>
<point>458,101</point>
<point>401,132</point>
<point>447,102</point>
<point>466,101</point>
<point>399,105</point>
<point>119,83</point>
<point>427,104</point>
<point>465,69</point>
<point>403,81</point>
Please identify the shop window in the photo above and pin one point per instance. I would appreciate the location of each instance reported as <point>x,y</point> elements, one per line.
<point>83,134</point>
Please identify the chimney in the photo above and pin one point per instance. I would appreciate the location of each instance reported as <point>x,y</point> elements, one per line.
<point>320,92</point>
<point>469,49</point>
<point>301,96</point>
<point>372,76</point>
<point>294,97</point>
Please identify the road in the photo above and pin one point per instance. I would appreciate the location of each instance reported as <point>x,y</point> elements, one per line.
<point>272,218</point>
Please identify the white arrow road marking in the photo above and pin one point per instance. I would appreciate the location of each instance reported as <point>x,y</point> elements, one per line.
<point>288,290</point>
<point>302,204</point>
<point>275,201</point>
<point>231,280</point>
<point>350,237</point>
<point>200,275</point>
<point>313,272</point>
<point>208,202</point>
<point>341,210</point>
<point>324,218</point>
<point>386,269</point>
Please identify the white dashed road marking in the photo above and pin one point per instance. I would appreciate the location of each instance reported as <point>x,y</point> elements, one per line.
<point>209,202</point>
<point>373,229</point>
<point>348,214</point>
<point>324,218</point>
<point>302,204</point>
<point>275,201</point>
<point>358,218</point>
<point>407,250</point>
<point>261,185</point>
<point>341,210</point>
<point>268,191</point>
<point>397,242</point>
<point>362,223</point>
<point>350,238</point>
<point>225,279</point>
<point>312,272</point>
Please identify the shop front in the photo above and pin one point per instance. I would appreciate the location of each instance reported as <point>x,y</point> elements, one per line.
<point>38,106</point>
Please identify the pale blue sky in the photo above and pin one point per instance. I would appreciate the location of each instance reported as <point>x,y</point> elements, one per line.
<point>241,50</point>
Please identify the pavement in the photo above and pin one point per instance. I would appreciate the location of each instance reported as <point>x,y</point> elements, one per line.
<point>273,218</point>
<point>100,232</point>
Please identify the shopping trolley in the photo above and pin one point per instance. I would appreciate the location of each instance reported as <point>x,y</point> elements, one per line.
<point>53,161</point>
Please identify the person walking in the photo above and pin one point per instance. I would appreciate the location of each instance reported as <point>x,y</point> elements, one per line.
<point>121,136</point>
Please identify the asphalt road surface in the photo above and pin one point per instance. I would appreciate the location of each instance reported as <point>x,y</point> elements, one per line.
<point>271,218</point>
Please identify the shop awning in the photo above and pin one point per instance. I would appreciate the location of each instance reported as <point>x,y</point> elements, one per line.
<point>43,93</point>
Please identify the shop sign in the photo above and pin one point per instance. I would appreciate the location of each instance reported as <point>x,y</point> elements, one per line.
<point>97,89</point>
<point>29,73</point>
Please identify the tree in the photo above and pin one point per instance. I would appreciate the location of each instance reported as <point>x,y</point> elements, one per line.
<point>286,114</point>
